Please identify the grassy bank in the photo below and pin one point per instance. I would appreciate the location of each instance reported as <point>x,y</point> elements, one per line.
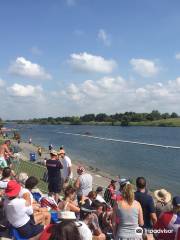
<point>170,122</point>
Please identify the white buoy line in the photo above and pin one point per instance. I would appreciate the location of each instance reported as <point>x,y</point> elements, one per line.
<point>119,140</point>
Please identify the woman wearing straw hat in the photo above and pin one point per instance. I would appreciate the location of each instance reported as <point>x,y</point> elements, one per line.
<point>163,201</point>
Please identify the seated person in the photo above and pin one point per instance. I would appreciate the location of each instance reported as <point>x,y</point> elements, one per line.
<point>41,215</point>
<point>89,199</point>
<point>95,227</point>
<point>99,196</point>
<point>67,229</point>
<point>69,200</point>
<point>19,215</point>
<point>6,177</point>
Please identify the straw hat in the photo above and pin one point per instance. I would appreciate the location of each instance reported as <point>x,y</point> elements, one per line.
<point>162,195</point>
<point>53,152</point>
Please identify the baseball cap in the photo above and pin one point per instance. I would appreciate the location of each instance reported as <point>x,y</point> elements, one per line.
<point>13,189</point>
<point>176,201</point>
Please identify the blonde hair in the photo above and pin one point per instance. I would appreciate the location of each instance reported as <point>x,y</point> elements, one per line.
<point>128,193</point>
<point>22,178</point>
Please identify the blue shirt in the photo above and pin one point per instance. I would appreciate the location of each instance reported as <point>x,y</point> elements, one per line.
<point>147,205</point>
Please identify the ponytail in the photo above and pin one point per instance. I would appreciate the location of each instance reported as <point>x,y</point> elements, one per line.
<point>128,193</point>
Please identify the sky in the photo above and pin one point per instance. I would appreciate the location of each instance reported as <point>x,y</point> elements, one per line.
<point>74,57</point>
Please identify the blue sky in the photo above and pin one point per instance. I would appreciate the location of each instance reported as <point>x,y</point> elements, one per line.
<point>71,57</point>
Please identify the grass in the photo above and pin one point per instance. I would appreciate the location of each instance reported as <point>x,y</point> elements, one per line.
<point>170,122</point>
<point>32,169</point>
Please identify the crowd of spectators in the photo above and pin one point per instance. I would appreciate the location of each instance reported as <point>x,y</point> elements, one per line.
<point>74,210</point>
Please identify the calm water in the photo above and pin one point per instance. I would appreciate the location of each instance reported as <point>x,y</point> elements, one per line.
<point>161,166</point>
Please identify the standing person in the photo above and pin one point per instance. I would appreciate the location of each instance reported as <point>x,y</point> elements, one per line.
<point>127,215</point>
<point>67,167</point>
<point>110,193</point>
<point>50,147</point>
<point>39,151</point>
<point>4,150</point>
<point>163,201</point>
<point>147,204</point>
<point>54,167</point>
<point>83,183</point>
<point>30,140</point>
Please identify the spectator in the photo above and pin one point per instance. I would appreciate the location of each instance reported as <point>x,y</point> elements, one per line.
<point>39,151</point>
<point>66,173</point>
<point>4,150</point>
<point>163,201</point>
<point>110,193</point>
<point>95,227</point>
<point>170,221</point>
<point>122,183</point>
<point>83,183</point>
<point>69,200</point>
<point>99,192</point>
<point>65,230</point>
<point>19,214</point>
<point>127,215</point>
<point>50,147</point>
<point>147,203</point>
<point>89,199</point>
<point>105,221</point>
<point>22,178</point>
<point>41,215</point>
<point>54,167</point>
<point>6,177</point>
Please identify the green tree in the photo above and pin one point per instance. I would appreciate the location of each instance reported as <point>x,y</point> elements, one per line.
<point>88,118</point>
<point>165,115</point>
<point>174,115</point>
<point>101,117</point>
<point>125,121</point>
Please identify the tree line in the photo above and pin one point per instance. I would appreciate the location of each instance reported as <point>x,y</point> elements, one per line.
<point>123,118</point>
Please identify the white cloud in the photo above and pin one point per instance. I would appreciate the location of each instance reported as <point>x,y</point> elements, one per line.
<point>2,83</point>
<point>115,94</point>
<point>91,63</point>
<point>104,37</point>
<point>177,56</point>
<point>144,67</point>
<point>25,90</point>
<point>36,51</point>
<point>26,68</point>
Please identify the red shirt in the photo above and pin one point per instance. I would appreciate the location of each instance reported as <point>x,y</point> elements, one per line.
<point>46,233</point>
<point>168,221</point>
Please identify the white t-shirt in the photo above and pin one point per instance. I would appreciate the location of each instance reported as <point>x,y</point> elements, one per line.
<point>100,198</point>
<point>84,231</point>
<point>85,184</point>
<point>4,183</point>
<point>66,162</point>
<point>17,212</point>
<point>25,190</point>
